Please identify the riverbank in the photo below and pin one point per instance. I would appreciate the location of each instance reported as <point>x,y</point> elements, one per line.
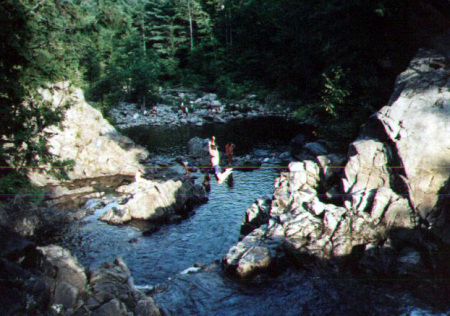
<point>193,108</point>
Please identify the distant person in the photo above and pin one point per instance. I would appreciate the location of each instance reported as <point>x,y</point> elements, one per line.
<point>185,165</point>
<point>207,183</point>
<point>229,147</point>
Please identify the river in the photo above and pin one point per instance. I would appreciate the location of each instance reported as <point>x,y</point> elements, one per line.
<point>158,261</point>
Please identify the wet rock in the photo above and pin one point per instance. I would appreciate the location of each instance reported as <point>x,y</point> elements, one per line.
<point>255,216</point>
<point>112,281</point>
<point>116,215</point>
<point>410,263</point>
<point>150,230</point>
<point>250,256</point>
<point>246,163</point>
<point>298,141</point>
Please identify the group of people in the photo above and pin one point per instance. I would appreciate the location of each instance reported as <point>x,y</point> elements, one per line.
<point>215,159</point>
<point>214,153</point>
<point>185,109</point>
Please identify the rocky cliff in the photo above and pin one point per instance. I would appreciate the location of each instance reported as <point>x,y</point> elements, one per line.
<point>393,191</point>
<point>86,138</point>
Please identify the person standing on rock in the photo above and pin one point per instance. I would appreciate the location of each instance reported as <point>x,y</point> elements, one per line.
<point>207,183</point>
<point>215,161</point>
<point>229,147</point>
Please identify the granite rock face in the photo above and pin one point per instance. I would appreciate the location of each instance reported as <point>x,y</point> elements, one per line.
<point>417,123</point>
<point>393,184</point>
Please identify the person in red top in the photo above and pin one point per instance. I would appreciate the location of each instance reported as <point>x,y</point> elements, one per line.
<point>229,147</point>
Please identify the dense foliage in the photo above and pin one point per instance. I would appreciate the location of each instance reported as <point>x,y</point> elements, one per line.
<point>337,57</point>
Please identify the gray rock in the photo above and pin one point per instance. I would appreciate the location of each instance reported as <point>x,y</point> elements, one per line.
<point>315,148</point>
<point>250,256</point>
<point>66,267</point>
<point>414,117</point>
<point>146,307</point>
<point>112,281</point>
<point>113,307</point>
<point>366,171</point>
<point>255,216</point>
<point>332,166</point>
<point>116,215</point>
<point>158,201</point>
<point>198,147</point>
<point>66,295</point>
<point>377,220</point>
<point>89,140</point>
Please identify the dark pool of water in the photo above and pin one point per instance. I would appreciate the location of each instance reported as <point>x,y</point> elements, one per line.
<point>245,134</point>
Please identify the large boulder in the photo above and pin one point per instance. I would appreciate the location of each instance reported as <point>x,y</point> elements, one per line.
<point>416,122</point>
<point>198,147</point>
<point>396,178</point>
<point>302,226</point>
<point>255,216</point>
<point>156,201</point>
<point>87,139</point>
<point>61,266</point>
<point>114,291</point>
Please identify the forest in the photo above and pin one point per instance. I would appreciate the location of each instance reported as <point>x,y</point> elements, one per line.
<point>338,59</point>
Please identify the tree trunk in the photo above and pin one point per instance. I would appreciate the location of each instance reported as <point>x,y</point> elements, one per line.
<point>191,30</point>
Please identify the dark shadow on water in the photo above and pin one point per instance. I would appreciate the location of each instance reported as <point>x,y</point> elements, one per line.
<point>369,282</point>
<point>245,134</point>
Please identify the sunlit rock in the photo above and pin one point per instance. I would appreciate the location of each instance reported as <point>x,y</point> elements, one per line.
<point>88,140</point>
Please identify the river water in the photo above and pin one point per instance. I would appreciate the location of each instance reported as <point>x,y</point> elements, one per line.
<point>158,261</point>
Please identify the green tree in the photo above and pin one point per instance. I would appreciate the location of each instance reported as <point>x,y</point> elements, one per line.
<point>41,43</point>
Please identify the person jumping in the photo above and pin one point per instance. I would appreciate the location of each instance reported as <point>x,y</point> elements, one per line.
<point>215,161</point>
